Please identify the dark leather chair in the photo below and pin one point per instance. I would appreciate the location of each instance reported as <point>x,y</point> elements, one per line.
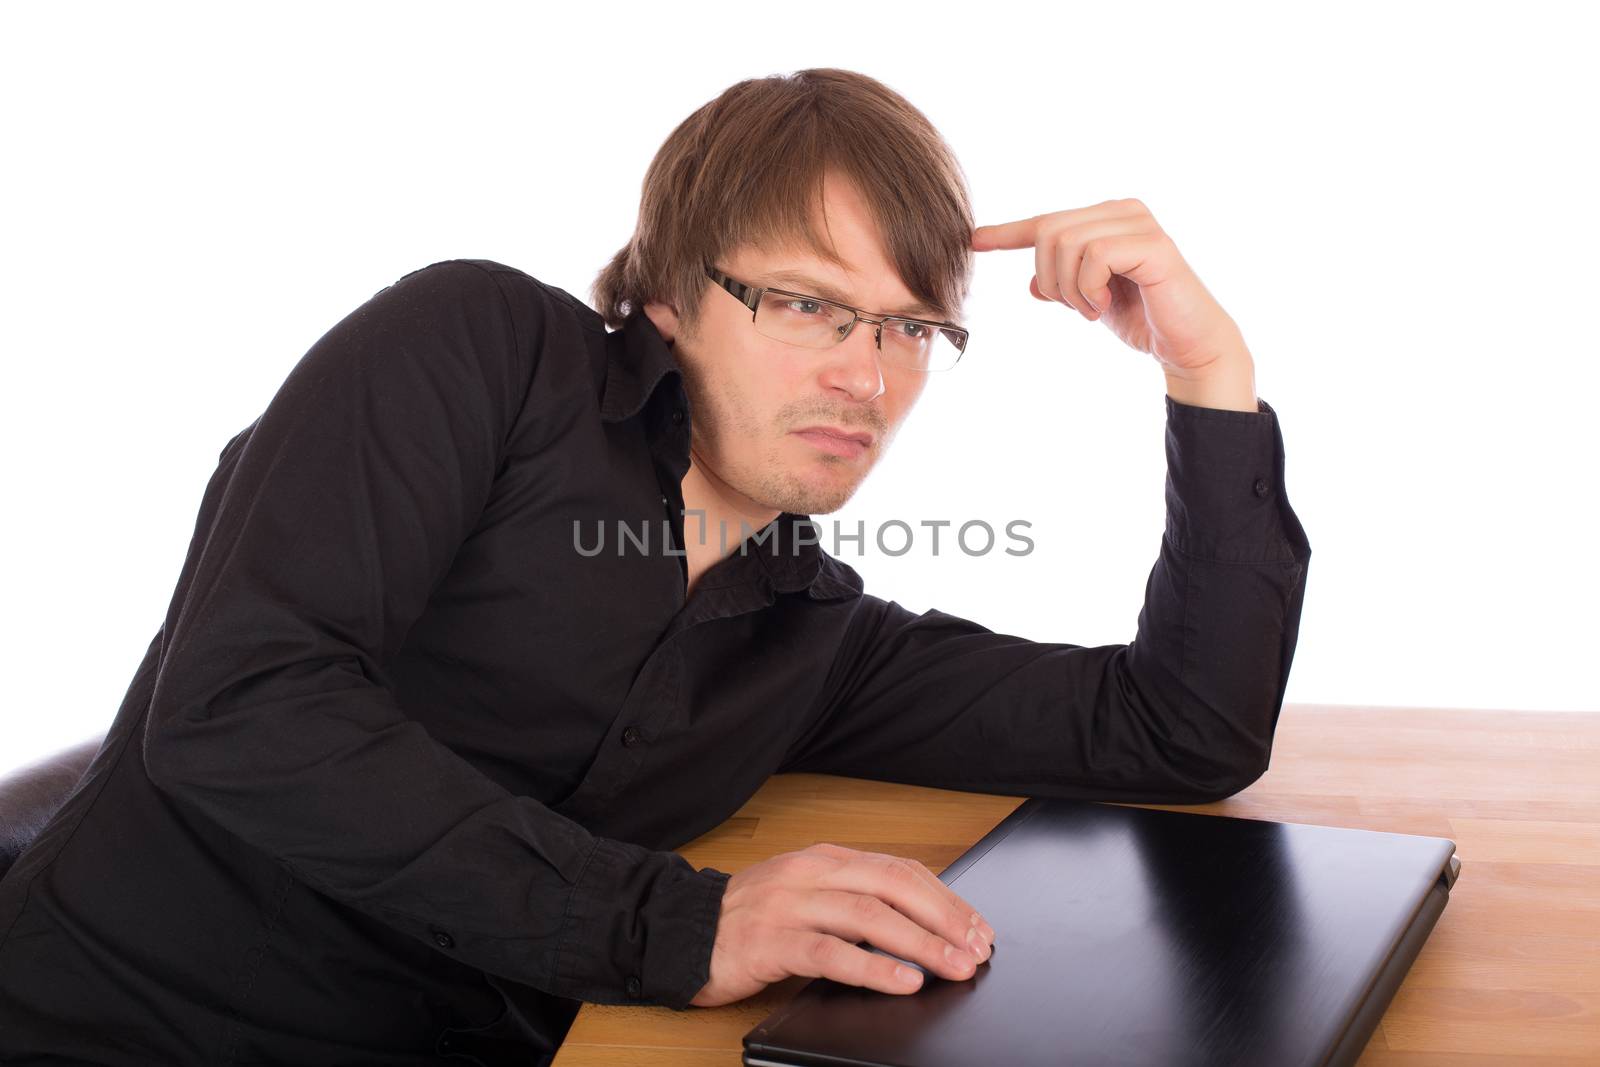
<point>30,795</point>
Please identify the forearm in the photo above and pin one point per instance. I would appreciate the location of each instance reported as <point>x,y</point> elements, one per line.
<point>1183,714</point>
<point>321,537</point>
<point>1240,553</point>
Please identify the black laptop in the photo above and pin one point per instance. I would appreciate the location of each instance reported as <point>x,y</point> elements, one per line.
<point>1134,936</point>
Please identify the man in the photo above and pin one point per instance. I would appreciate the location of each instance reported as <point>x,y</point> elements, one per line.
<point>400,776</point>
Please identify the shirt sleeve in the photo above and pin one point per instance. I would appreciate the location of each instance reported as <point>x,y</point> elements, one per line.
<point>320,538</point>
<point>1183,713</point>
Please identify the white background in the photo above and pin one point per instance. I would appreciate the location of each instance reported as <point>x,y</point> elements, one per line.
<point>1396,203</point>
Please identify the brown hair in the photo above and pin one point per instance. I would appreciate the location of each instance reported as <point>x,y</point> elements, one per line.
<point>748,168</point>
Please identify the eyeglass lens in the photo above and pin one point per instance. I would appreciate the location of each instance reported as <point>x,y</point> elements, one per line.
<point>816,323</point>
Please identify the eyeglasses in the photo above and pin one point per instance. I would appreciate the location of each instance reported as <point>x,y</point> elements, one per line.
<point>812,322</point>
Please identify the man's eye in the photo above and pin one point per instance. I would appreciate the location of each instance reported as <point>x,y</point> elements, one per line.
<point>916,330</point>
<point>808,303</point>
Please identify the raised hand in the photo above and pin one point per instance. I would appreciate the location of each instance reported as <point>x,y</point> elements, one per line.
<point>1113,262</point>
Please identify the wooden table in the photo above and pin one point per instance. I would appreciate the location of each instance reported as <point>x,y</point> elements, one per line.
<point>1510,975</point>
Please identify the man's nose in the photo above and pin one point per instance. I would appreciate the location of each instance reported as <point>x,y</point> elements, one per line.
<point>853,366</point>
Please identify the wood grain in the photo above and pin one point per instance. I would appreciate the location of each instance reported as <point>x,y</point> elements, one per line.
<point>1510,975</point>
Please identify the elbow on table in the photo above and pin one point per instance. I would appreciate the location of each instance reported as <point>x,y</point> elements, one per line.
<point>1232,753</point>
<point>1224,786</point>
<point>1208,778</point>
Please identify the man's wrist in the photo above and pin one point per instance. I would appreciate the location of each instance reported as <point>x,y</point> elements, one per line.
<point>1227,382</point>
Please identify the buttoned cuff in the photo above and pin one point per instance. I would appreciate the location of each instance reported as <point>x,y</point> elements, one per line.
<point>640,927</point>
<point>1225,493</point>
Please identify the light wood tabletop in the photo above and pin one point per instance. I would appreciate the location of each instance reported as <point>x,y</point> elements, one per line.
<point>1510,975</point>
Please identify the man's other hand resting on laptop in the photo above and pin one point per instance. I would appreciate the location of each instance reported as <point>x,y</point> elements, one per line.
<point>796,913</point>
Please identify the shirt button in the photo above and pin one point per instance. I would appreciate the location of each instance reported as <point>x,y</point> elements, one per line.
<point>677,417</point>
<point>1260,487</point>
<point>633,985</point>
<point>630,736</point>
<point>443,940</point>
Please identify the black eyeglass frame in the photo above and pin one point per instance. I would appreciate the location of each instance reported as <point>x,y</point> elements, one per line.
<point>750,296</point>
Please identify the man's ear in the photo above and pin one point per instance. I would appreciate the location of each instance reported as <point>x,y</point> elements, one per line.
<point>665,316</point>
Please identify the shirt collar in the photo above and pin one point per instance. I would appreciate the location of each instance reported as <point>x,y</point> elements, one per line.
<point>637,359</point>
<point>794,560</point>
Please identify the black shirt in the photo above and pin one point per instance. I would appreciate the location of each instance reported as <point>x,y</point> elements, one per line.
<point>401,773</point>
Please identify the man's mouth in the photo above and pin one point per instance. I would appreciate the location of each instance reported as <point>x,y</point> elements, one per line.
<point>835,441</point>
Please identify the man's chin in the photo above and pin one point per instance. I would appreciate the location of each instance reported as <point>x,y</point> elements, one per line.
<point>810,501</point>
<point>822,502</point>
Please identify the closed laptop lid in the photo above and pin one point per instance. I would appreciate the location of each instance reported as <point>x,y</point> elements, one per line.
<point>1137,936</point>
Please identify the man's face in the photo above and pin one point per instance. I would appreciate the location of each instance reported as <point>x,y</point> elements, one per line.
<point>748,393</point>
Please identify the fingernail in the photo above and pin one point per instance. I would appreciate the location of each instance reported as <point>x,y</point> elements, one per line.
<point>907,976</point>
<point>957,957</point>
<point>979,947</point>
